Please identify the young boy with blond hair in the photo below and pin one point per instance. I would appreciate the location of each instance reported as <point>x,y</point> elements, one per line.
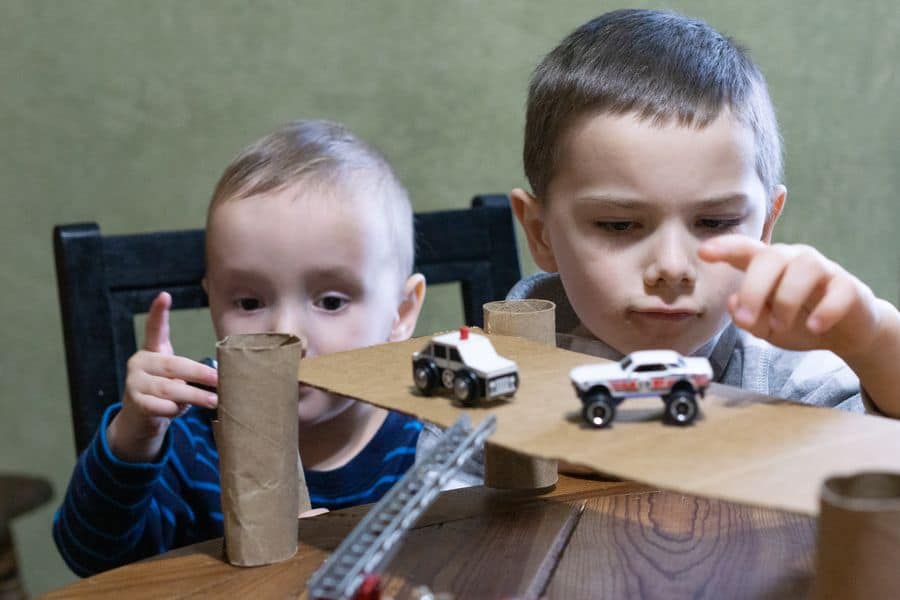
<point>309,232</point>
<point>654,159</point>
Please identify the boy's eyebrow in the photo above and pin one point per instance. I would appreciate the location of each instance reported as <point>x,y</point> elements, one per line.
<point>723,201</point>
<point>336,272</point>
<point>318,272</point>
<point>727,200</point>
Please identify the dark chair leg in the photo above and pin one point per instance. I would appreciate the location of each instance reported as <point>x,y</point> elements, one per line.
<point>10,585</point>
<point>19,494</point>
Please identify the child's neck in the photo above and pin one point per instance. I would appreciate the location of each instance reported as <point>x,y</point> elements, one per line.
<point>333,443</point>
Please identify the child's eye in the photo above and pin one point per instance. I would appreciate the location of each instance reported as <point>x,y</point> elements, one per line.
<point>332,302</point>
<point>617,226</point>
<point>718,224</point>
<point>248,304</point>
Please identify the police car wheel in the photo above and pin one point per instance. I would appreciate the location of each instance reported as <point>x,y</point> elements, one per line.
<point>465,387</point>
<point>425,375</point>
<point>598,410</point>
<point>681,408</point>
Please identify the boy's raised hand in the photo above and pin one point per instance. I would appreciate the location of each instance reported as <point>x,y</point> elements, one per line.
<point>156,390</point>
<point>795,298</point>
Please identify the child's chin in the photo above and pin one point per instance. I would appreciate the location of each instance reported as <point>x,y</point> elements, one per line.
<point>309,403</point>
<point>660,342</point>
<point>308,416</point>
<point>315,406</point>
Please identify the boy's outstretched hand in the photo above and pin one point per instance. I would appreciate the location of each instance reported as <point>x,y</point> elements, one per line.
<point>795,298</point>
<point>156,390</point>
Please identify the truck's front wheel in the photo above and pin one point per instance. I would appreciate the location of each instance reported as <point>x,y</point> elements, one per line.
<point>681,408</point>
<point>425,375</point>
<point>598,409</point>
<point>465,387</point>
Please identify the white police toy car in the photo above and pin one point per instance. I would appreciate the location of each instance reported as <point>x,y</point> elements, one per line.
<point>665,373</point>
<point>467,364</point>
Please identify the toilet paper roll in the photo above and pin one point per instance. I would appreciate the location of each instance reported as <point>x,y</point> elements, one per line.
<point>859,538</point>
<point>534,320</point>
<point>256,434</point>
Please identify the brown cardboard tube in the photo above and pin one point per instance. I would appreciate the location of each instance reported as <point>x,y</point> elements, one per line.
<point>256,434</point>
<point>859,538</point>
<point>534,320</point>
<point>530,319</point>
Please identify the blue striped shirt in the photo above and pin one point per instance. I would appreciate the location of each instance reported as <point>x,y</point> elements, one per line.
<point>116,512</point>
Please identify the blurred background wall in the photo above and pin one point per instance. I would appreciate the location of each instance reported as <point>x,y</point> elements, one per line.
<point>125,113</point>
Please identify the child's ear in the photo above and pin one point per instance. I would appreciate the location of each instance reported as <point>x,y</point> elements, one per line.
<point>779,196</point>
<point>409,308</point>
<point>530,214</point>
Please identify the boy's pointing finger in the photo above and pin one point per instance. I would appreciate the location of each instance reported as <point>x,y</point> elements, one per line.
<point>156,331</point>
<point>736,250</point>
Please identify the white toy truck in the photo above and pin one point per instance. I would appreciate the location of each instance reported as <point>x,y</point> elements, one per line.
<point>467,364</point>
<point>665,373</point>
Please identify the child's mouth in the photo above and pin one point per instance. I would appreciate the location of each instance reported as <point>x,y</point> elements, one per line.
<point>668,316</point>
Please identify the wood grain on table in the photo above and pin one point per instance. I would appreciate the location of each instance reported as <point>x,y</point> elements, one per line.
<point>583,539</point>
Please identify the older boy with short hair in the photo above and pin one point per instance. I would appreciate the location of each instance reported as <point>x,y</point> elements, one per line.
<point>654,158</point>
<point>310,232</point>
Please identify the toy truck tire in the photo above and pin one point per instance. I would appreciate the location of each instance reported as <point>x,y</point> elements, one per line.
<point>598,409</point>
<point>592,393</point>
<point>681,407</point>
<point>425,375</point>
<point>465,387</point>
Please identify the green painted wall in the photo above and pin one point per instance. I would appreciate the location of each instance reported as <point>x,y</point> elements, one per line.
<point>125,112</point>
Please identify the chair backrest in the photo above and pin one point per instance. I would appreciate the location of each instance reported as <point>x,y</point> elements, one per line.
<point>105,280</point>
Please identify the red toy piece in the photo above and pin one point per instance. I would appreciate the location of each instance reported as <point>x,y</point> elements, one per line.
<point>370,588</point>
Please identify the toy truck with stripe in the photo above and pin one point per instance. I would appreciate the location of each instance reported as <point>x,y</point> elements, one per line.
<point>678,380</point>
<point>467,364</point>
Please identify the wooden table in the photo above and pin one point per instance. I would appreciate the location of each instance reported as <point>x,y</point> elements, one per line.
<point>584,539</point>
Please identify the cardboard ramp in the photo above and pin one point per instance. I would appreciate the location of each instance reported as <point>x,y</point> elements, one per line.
<point>744,448</point>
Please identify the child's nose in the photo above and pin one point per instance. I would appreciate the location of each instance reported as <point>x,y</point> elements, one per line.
<point>287,321</point>
<point>672,262</point>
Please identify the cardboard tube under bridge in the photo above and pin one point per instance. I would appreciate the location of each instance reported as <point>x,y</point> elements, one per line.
<point>534,320</point>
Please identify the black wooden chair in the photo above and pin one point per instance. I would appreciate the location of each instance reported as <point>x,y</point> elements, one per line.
<point>104,281</point>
